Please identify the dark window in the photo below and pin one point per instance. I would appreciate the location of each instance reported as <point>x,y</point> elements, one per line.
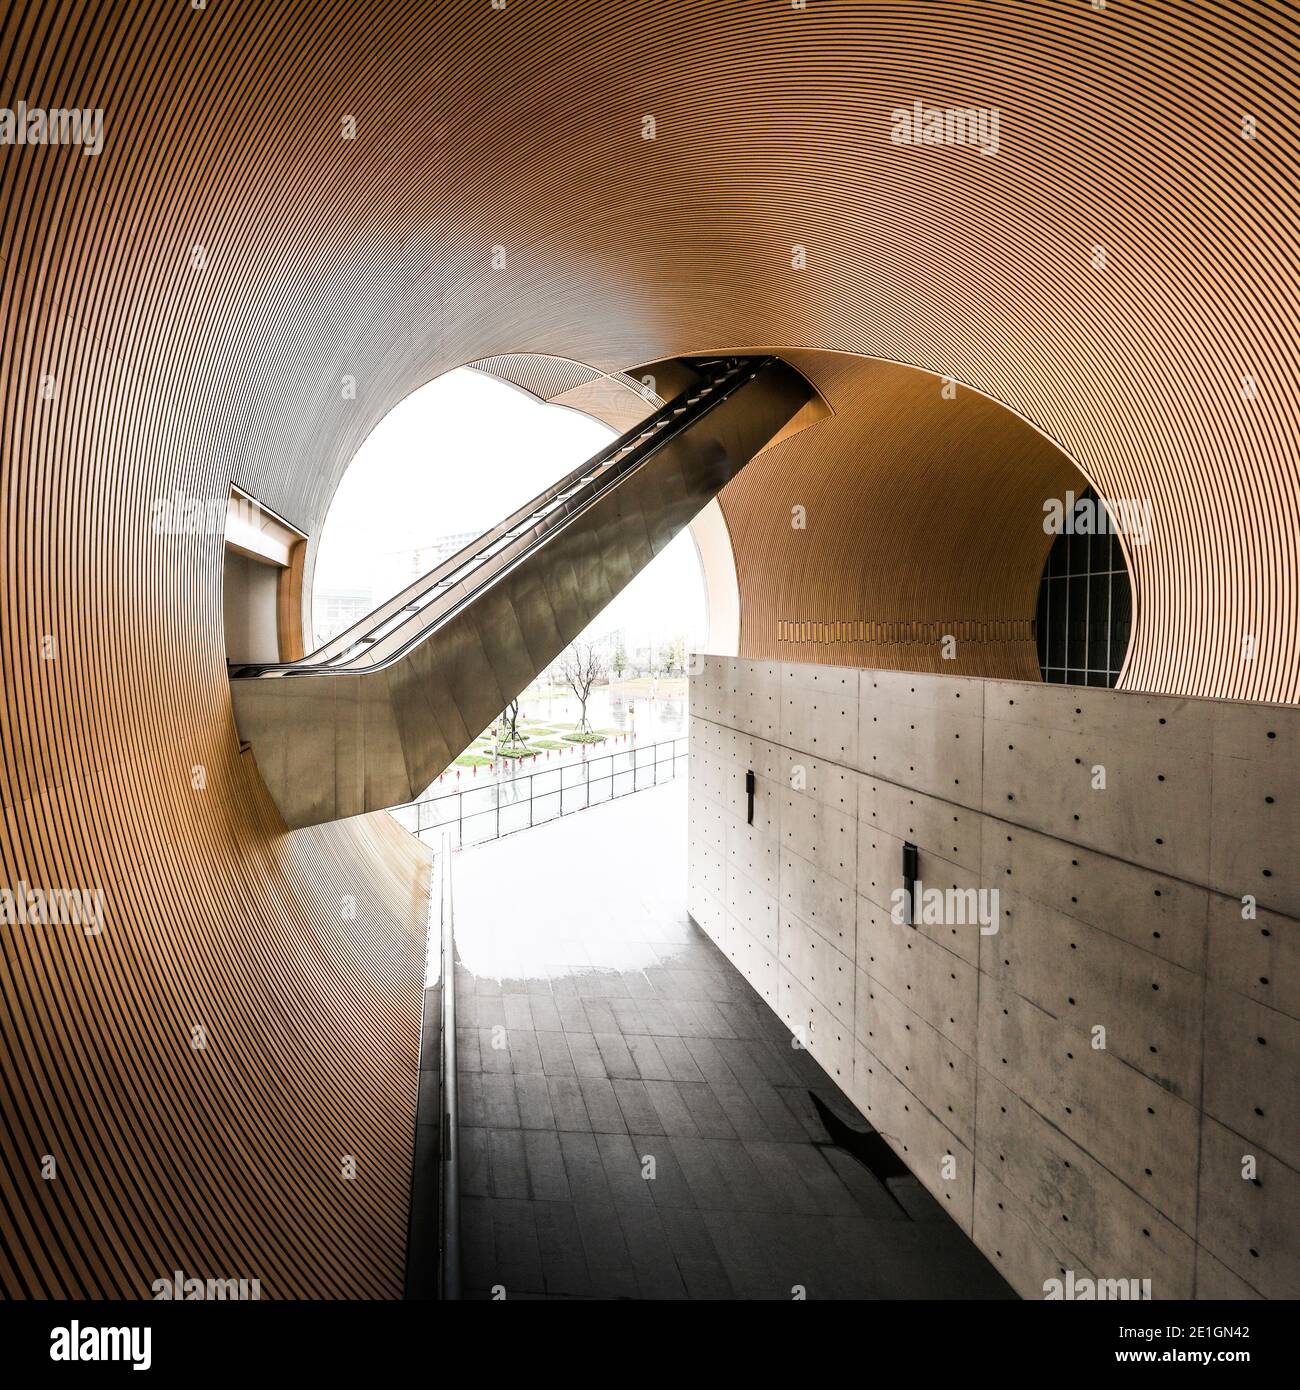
<point>1085,608</point>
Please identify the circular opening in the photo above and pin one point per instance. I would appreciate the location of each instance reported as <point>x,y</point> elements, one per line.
<point>452,461</point>
<point>448,463</point>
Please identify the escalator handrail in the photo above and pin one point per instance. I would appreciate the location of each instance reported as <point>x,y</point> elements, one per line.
<point>418,587</point>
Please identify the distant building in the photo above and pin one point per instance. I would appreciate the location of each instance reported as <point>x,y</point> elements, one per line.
<point>412,562</point>
<point>335,610</point>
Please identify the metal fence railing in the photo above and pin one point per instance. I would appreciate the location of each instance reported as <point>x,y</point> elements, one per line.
<point>474,815</point>
<point>433,1230</point>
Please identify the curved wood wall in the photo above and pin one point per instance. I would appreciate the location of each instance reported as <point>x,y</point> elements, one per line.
<point>907,517</point>
<point>194,306</point>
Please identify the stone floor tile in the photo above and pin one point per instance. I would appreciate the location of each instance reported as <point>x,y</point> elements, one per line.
<point>583,1167</point>
<point>548,1179</point>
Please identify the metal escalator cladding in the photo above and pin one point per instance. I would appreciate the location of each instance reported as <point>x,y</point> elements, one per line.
<point>372,717</point>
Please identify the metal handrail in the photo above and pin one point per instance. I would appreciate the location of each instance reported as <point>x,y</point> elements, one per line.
<point>449,1226</point>
<point>518,797</point>
<point>433,1226</point>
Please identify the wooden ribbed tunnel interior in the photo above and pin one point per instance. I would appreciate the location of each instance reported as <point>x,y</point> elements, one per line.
<point>299,215</point>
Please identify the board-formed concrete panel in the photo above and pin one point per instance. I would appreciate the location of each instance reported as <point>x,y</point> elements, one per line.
<point>944,1165</point>
<point>821,1032</point>
<point>1255,842</point>
<point>880,881</point>
<point>1130,999</point>
<point>1257,955</point>
<point>935,983</point>
<point>935,825</point>
<point>754,853</point>
<point>819,711</point>
<point>1251,1052</point>
<point>1026,1251</point>
<point>752,909</point>
<point>1163,915</point>
<point>1116,1232</point>
<point>826,973</point>
<point>1249,1211</point>
<point>928,1063</point>
<point>1137,1129</point>
<point>830,783</point>
<point>823,901</point>
<point>922,732</point>
<point>1113,793</point>
<point>1082,976</point>
<point>820,834</point>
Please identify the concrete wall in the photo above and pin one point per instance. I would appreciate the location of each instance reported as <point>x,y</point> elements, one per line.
<point>249,596</point>
<point>1118,906</point>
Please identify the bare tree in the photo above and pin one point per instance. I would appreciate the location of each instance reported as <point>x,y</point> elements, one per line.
<point>509,722</point>
<point>580,668</point>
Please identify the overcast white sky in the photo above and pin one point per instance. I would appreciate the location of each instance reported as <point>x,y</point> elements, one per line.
<point>460,454</point>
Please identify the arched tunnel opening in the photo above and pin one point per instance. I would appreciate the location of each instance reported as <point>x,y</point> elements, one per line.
<point>938,945</point>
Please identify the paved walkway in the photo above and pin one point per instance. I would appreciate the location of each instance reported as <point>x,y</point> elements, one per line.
<point>634,1120</point>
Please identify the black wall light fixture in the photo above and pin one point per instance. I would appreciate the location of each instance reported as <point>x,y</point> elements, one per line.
<point>911,858</point>
<point>749,792</point>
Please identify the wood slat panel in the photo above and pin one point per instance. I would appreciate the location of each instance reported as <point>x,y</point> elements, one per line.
<point>372,259</point>
<point>905,518</point>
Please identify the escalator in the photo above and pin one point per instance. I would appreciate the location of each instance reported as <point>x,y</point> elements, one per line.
<point>371,718</point>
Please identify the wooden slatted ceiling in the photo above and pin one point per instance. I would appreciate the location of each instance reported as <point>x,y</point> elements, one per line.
<point>867,539</point>
<point>372,259</point>
<point>544,377</point>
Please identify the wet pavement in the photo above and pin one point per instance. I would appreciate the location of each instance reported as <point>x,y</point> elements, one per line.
<point>635,1122</point>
